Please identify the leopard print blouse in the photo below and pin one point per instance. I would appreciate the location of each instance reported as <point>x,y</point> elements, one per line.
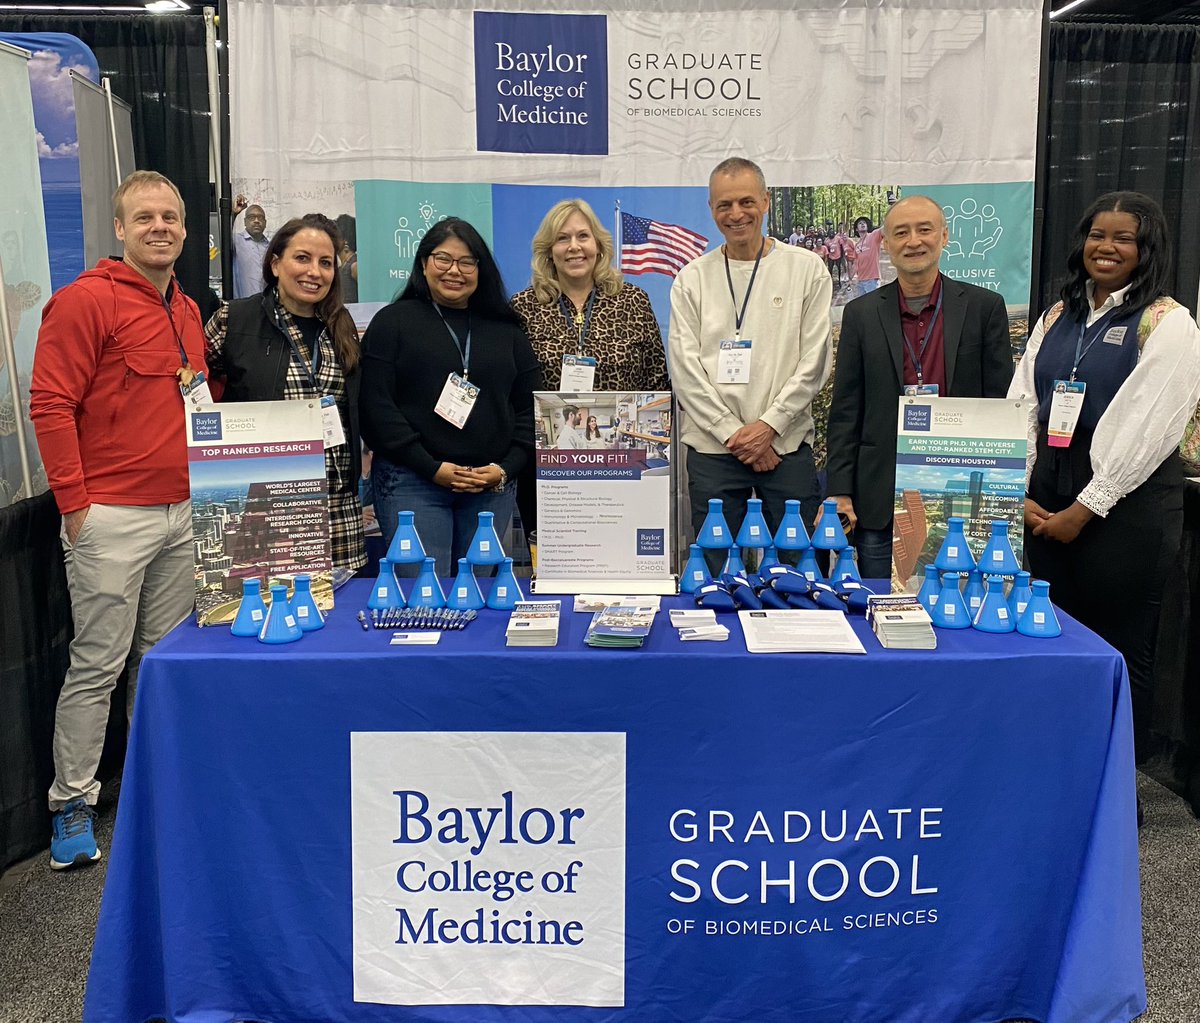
<point>623,336</point>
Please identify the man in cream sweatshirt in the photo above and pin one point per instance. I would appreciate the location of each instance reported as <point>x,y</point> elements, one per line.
<point>750,348</point>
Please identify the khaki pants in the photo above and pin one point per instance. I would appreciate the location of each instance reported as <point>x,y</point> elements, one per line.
<point>131,580</point>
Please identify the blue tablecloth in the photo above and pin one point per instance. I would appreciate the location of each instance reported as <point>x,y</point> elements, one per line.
<point>229,892</point>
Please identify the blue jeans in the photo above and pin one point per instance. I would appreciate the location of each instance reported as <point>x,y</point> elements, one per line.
<point>874,548</point>
<point>445,520</point>
<point>865,287</point>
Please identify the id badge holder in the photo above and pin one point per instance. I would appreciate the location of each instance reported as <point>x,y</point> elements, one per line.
<point>331,422</point>
<point>1065,406</point>
<point>733,362</point>
<point>918,390</point>
<point>194,387</point>
<point>578,373</point>
<point>457,400</point>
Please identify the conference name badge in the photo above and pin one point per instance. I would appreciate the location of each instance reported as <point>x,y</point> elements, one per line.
<point>733,362</point>
<point>1065,406</point>
<point>194,387</point>
<point>578,373</point>
<point>331,422</point>
<point>918,390</point>
<point>457,400</point>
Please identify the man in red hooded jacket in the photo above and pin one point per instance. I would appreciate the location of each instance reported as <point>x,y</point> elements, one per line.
<point>116,348</point>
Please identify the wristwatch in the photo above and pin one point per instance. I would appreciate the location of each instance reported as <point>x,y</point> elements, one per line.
<point>499,487</point>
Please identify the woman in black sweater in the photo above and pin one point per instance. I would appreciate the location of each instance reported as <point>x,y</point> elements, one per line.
<point>447,395</point>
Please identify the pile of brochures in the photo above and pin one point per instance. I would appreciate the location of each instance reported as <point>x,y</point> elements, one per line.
<point>901,622</point>
<point>533,623</point>
<point>698,624</point>
<point>621,625</point>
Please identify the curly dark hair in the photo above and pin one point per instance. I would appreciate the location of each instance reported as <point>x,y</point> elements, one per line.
<point>1153,274</point>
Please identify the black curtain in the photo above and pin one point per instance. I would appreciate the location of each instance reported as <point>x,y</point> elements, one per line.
<point>157,65</point>
<point>35,631</point>
<point>1124,113</point>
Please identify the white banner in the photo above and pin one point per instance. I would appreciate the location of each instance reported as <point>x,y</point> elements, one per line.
<point>432,110</point>
<point>489,868</point>
<point>820,92</point>
<point>24,276</point>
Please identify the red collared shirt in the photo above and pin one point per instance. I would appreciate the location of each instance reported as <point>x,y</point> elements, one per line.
<point>914,325</point>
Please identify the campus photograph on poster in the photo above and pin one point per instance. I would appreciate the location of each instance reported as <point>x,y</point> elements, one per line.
<point>604,490</point>
<point>260,502</point>
<point>955,458</point>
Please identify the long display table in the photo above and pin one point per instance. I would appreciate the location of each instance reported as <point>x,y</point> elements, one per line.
<point>344,830</point>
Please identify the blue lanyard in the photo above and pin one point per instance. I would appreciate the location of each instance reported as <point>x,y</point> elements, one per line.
<point>1098,327</point>
<point>917,356</point>
<point>310,370</point>
<point>463,351</point>
<point>582,322</point>
<point>740,318</point>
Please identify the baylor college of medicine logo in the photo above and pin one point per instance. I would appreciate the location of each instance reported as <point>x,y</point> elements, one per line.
<point>488,867</point>
<point>541,83</point>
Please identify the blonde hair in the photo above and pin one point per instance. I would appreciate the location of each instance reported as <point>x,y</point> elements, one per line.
<point>143,179</point>
<point>545,278</point>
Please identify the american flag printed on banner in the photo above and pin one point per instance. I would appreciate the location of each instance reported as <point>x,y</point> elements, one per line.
<point>652,247</point>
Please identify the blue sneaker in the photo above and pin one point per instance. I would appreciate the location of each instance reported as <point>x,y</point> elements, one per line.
<point>72,843</point>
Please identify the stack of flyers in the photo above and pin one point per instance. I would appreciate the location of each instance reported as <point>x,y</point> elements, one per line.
<point>698,623</point>
<point>533,623</point>
<point>621,625</point>
<point>900,622</point>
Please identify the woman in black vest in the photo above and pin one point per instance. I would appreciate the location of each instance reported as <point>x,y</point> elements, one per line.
<point>297,341</point>
<point>1104,495</point>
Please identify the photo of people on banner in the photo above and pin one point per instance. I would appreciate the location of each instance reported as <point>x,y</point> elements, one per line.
<point>605,420</point>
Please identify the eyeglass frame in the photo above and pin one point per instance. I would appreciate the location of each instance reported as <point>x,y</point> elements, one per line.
<point>456,262</point>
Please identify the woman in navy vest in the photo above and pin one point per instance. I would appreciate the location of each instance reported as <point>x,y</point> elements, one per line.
<point>297,340</point>
<point>447,395</point>
<point>1104,491</point>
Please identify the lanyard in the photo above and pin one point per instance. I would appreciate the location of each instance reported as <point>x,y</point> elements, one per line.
<point>1098,327</point>
<point>740,318</point>
<point>310,370</point>
<point>918,355</point>
<point>463,351</point>
<point>183,356</point>
<point>581,321</point>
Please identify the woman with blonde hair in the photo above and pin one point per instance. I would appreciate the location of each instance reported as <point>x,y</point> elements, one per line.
<point>578,305</point>
<point>591,330</point>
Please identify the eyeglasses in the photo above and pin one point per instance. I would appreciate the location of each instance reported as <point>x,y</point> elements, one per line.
<point>465,264</point>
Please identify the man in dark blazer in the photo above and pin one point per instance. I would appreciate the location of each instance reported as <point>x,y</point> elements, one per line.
<point>923,332</point>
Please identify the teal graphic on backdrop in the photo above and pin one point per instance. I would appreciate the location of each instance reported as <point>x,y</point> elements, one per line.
<point>990,229</point>
<point>393,217</point>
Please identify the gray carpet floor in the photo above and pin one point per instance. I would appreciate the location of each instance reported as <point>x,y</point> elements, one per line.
<point>47,921</point>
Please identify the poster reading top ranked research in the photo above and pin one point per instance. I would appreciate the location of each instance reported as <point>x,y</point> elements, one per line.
<point>260,501</point>
<point>955,458</point>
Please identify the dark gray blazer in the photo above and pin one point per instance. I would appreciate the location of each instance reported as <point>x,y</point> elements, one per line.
<point>869,377</point>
